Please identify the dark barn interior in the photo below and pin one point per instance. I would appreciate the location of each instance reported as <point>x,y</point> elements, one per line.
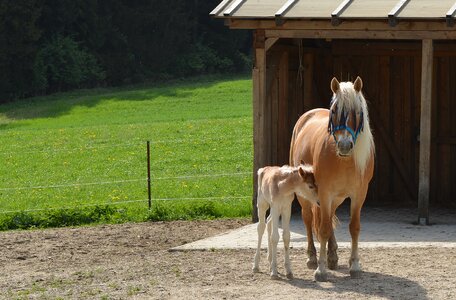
<point>299,72</point>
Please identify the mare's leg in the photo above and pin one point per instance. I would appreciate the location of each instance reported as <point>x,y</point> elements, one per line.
<point>355,226</point>
<point>262,207</point>
<point>325,231</point>
<point>286,215</point>
<point>306,213</point>
<point>333,259</point>
<point>274,240</point>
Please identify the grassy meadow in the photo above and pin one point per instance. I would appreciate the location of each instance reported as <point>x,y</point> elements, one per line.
<point>80,157</point>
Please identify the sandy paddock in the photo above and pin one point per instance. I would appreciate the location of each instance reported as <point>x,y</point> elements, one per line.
<point>133,261</point>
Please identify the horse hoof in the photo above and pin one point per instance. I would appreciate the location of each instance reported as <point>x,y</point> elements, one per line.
<point>290,276</point>
<point>355,274</point>
<point>319,276</point>
<point>274,276</point>
<point>332,264</point>
<point>312,264</point>
<point>255,270</point>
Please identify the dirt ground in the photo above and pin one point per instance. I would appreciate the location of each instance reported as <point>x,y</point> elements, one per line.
<point>132,261</point>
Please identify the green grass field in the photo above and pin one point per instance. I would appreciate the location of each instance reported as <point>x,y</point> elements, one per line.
<point>80,157</point>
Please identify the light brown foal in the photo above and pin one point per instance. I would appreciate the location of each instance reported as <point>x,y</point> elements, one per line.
<point>276,189</point>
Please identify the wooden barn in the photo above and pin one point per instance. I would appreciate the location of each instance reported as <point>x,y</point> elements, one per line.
<point>405,52</point>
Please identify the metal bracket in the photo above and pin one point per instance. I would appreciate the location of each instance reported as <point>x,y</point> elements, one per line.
<point>450,16</point>
<point>392,16</point>
<point>335,15</point>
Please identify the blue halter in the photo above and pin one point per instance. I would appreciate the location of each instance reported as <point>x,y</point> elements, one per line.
<point>343,126</point>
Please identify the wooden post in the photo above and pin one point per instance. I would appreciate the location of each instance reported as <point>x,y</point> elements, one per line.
<point>425,131</point>
<point>148,175</point>
<point>259,101</point>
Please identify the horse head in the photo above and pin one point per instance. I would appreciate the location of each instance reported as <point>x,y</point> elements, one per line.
<point>347,114</point>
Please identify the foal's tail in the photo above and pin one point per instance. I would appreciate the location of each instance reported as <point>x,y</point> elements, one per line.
<point>316,217</point>
<point>293,139</point>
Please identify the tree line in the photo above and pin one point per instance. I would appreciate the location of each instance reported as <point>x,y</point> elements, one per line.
<point>57,45</point>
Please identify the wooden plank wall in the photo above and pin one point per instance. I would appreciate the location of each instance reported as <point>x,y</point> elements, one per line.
<point>298,77</point>
<point>443,152</point>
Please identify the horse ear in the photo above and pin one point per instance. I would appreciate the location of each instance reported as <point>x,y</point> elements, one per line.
<point>335,85</point>
<point>307,174</point>
<point>358,84</point>
<point>308,177</point>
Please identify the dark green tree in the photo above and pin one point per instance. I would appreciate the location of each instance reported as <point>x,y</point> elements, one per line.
<point>19,35</point>
<point>55,45</point>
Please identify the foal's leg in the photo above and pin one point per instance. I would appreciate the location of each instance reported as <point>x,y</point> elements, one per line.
<point>269,225</point>
<point>274,240</point>
<point>262,207</point>
<point>286,215</point>
<point>307,218</point>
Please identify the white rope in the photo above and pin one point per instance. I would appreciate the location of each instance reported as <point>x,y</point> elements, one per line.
<point>139,143</point>
<point>121,181</point>
<point>201,198</point>
<point>71,150</point>
<point>199,176</point>
<point>123,202</point>
<point>69,185</point>
<point>71,207</point>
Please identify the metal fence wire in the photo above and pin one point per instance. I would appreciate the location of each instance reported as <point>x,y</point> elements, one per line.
<point>148,180</point>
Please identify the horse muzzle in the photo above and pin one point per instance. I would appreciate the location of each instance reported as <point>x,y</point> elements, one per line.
<point>345,147</point>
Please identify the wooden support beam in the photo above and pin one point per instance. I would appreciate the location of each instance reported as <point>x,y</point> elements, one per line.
<point>259,100</point>
<point>392,16</point>
<point>335,16</point>
<point>348,24</point>
<point>361,34</point>
<point>450,15</point>
<point>269,43</point>
<point>425,131</point>
<point>233,8</point>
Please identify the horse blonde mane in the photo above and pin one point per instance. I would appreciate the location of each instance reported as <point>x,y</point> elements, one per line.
<point>348,99</point>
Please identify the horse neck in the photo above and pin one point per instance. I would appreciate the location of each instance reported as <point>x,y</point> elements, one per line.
<point>289,181</point>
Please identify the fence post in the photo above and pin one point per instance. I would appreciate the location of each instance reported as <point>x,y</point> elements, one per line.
<point>148,175</point>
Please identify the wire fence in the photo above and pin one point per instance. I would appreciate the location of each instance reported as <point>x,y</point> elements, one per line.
<point>56,186</point>
<point>123,145</point>
<point>145,180</point>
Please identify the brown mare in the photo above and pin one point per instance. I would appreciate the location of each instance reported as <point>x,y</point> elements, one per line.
<point>338,143</point>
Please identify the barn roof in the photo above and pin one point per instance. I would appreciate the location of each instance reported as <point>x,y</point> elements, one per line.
<point>337,11</point>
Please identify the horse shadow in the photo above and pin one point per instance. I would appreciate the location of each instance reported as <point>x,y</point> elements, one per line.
<point>371,284</point>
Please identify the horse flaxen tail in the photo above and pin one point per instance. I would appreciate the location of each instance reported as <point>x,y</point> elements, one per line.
<point>316,220</point>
